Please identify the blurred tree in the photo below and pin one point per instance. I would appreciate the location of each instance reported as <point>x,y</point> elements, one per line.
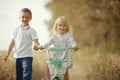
<point>94,22</point>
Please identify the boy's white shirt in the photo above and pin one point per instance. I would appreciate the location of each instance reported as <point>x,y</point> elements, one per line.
<point>23,38</point>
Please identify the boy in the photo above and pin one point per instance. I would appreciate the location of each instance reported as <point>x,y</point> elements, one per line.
<point>22,43</point>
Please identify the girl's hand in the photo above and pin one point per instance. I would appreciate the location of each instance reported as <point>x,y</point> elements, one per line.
<point>75,48</point>
<point>40,47</point>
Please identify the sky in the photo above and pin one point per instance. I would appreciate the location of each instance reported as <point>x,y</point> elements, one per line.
<point>9,19</point>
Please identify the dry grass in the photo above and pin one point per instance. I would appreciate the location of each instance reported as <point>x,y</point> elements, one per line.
<point>105,67</point>
<point>87,65</point>
<point>6,68</point>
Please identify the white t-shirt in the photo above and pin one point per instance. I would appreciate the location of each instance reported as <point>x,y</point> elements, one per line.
<point>62,41</point>
<point>23,38</point>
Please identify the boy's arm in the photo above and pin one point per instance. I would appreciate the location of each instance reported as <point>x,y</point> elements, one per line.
<point>9,49</point>
<point>37,44</point>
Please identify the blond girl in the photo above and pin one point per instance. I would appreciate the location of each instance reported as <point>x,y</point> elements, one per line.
<point>62,38</point>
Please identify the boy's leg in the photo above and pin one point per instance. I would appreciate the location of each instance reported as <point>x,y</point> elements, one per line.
<point>18,69</point>
<point>66,76</point>
<point>27,68</point>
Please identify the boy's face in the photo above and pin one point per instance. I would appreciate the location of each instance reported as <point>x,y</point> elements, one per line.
<point>25,18</point>
<point>62,27</point>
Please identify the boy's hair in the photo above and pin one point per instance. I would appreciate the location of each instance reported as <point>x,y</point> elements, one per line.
<point>26,10</point>
<point>56,22</point>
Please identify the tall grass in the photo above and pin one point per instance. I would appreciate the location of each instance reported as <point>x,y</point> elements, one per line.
<point>6,68</point>
<point>87,65</point>
<point>105,67</point>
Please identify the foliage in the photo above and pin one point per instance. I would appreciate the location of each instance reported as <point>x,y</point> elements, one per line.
<point>94,22</point>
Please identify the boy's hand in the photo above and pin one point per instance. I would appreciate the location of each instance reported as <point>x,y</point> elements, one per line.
<point>5,57</point>
<point>35,48</point>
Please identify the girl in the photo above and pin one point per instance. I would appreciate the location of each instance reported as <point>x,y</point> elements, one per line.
<point>62,38</point>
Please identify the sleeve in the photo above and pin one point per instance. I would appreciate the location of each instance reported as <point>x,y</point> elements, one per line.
<point>49,42</point>
<point>72,42</point>
<point>15,32</point>
<point>34,34</point>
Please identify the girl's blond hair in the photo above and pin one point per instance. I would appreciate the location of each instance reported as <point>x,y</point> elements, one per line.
<point>56,22</point>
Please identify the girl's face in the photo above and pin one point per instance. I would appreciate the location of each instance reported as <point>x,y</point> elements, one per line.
<point>25,18</point>
<point>62,27</point>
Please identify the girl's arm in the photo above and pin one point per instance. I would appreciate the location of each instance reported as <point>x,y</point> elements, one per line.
<point>9,49</point>
<point>73,42</point>
<point>48,43</point>
<point>74,45</point>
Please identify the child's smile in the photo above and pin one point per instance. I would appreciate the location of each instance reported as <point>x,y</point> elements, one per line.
<point>25,18</point>
<point>62,27</point>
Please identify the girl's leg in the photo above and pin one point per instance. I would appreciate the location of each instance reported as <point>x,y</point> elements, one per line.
<point>47,72</point>
<point>66,76</point>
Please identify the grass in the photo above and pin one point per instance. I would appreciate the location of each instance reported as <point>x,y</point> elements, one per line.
<point>87,65</point>
<point>6,68</point>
